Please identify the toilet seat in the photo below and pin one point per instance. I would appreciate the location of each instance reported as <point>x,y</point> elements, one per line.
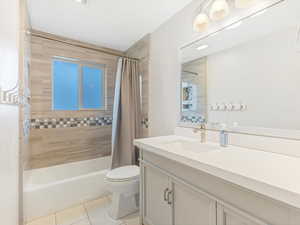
<point>122,174</point>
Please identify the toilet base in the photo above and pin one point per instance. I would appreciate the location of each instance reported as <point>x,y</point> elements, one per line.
<point>123,205</point>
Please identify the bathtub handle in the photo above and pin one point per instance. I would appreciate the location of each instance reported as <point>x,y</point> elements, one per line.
<point>165,194</point>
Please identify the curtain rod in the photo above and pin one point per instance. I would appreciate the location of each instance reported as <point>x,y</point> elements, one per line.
<point>58,39</point>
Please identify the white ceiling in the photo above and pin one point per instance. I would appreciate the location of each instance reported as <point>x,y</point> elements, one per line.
<point>112,23</point>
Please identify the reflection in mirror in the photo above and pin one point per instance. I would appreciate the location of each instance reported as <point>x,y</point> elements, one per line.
<point>193,91</point>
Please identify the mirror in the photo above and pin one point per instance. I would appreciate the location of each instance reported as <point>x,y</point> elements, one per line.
<point>247,77</point>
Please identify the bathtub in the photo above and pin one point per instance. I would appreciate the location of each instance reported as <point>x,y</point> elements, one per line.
<point>52,189</point>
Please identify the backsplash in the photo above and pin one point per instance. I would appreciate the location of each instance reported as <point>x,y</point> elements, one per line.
<point>192,119</point>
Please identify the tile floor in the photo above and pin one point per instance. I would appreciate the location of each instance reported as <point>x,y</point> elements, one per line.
<point>89,213</point>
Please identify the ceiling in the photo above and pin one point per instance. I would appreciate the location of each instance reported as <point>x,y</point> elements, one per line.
<point>116,24</point>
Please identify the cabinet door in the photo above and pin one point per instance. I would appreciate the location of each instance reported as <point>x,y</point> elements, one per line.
<point>234,216</point>
<point>191,207</point>
<point>156,210</point>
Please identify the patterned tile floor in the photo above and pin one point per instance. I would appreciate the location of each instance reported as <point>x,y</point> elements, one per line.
<point>89,213</point>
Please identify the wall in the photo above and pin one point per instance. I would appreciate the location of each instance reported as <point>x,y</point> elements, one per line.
<point>141,51</point>
<point>164,81</point>
<point>59,137</point>
<point>9,114</point>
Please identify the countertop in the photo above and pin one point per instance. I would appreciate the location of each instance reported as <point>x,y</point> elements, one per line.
<point>274,175</point>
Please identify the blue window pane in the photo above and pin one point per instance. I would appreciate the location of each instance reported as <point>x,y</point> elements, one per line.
<point>92,83</point>
<point>65,85</point>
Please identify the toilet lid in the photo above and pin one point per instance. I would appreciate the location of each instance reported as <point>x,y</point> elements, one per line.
<point>124,173</point>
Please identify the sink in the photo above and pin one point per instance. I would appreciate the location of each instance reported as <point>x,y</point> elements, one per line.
<point>192,146</point>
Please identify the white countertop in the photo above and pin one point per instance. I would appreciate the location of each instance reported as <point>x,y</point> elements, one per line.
<point>273,175</point>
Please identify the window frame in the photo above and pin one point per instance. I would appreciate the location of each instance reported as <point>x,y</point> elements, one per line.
<point>81,64</point>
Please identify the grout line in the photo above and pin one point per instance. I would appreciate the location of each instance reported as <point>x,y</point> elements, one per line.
<point>86,211</point>
<point>55,219</point>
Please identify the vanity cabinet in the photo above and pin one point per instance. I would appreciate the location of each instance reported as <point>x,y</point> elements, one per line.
<point>169,202</point>
<point>156,209</point>
<point>191,207</point>
<point>176,194</point>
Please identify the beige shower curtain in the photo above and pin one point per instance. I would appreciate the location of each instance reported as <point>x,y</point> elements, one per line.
<point>127,113</point>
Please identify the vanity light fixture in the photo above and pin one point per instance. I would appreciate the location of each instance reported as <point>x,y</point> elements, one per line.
<point>219,10</point>
<point>202,47</point>
<point>216,10</point>
<point>201,22</point>
<point>83,2</point>
<point>235,25</point>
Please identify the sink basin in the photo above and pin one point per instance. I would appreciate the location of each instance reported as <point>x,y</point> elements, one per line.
<point>192,146</point>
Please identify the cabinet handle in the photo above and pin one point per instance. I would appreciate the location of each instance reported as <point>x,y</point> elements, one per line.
<point>170,200</point>
<point>165,194</point>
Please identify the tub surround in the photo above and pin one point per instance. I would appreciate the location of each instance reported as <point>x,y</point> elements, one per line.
<point>59,137</point>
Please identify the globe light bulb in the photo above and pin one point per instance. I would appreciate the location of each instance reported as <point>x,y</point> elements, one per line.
<point>201,22</point>
<point>219,10</point>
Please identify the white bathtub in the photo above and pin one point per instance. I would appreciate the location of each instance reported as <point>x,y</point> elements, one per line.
<point>51,189</point>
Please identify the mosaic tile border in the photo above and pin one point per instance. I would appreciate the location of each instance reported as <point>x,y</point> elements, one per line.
<point>192,119</point>
<point>50,123</point>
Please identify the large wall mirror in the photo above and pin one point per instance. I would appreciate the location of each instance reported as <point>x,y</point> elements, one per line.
<point>246,74</point>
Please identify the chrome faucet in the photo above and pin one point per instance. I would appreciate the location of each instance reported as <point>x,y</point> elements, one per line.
<point>202,129</point>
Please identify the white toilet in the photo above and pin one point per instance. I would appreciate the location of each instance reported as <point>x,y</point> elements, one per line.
<point>123,183</point>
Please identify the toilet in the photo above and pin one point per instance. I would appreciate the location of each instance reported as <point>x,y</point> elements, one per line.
<point>123,183</point>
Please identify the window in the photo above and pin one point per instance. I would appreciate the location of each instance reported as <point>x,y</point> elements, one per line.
<point>78,85</point>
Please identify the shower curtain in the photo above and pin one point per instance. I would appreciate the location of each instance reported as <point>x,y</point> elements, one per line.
<point>126,124</point>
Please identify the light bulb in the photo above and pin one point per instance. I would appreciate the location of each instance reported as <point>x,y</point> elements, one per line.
<point>244,3</point>
<point>219,10</point>
<point>201,22</point>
